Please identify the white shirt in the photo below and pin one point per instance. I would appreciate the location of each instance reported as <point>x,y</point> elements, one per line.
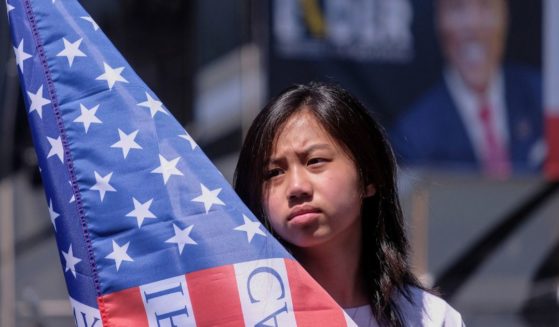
<point>468,106</point>
<point>427,310</point>
<point>362,316</point>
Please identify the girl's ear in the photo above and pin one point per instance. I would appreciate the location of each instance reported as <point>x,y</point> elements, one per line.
<point>370,190</point>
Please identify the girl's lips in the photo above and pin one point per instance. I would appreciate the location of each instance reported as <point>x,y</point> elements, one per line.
<point>300,211</point>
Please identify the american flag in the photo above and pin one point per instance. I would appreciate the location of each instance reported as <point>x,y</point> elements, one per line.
<point>149,232</point>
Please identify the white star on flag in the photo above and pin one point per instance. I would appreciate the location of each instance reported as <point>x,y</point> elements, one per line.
<point>9,7</point>
<point>21,55</point>
<point>167,168</point>
<point>37,101</point>
<point>73,198</point>
<point>119,254</point>
<point>112,75</point>
<point>189,138</point>
<point>53,215</point>
<point>141,211</point>
<point>56,148</point>
<point>93,23</point>
<point>208,197</point>
<point>71,261</point>
<point>126,142</point>
<point>88,117</point>
<point>71,50</point>
<point>153,105</point>
<point>102,184</point>
<point>182,237</point>
<point>251,228</point>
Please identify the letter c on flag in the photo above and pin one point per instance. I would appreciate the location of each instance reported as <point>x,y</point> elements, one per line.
<point>264,270</point>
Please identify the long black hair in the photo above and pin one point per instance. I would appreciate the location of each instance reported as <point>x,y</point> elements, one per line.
<point>384,267</point>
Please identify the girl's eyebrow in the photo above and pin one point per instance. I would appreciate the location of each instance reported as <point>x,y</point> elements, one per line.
<point>305,151</point>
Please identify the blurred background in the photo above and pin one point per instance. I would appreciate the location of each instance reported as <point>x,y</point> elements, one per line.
<point>478,193</point>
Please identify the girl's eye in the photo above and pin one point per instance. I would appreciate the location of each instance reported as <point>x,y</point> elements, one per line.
<point>315,161</point>
<point>272,173</point>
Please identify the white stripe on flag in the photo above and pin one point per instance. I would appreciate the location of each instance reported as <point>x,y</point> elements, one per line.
<point>167,303</point>
<point>84,315</point>
<point>264,292</point>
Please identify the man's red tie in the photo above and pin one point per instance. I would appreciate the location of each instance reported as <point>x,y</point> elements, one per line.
<point>495,161</point>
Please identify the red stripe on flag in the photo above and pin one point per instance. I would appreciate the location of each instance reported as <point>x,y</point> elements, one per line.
<point>124,308</point>
<point>215,297</point>
<point>313,306</point>
<point>552,136</point>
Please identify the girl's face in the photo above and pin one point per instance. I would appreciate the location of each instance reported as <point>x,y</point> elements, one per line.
<point>311,194</point>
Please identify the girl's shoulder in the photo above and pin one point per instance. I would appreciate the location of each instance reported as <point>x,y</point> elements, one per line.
<point>426,309</point>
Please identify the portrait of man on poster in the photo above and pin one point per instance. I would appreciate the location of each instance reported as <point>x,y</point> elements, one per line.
<point>485,113</point>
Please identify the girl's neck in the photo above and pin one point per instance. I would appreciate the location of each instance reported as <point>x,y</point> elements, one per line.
<point>337,269</point>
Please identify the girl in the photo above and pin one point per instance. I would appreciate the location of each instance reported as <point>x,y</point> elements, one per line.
<point>320,173</point>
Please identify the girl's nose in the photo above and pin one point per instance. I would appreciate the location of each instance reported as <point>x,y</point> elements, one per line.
<point>299,185</point>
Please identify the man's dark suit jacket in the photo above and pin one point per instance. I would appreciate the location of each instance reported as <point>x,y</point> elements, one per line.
<point>431,132</point>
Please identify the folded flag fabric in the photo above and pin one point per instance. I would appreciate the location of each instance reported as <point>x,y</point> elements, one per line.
<point>149,233</point>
